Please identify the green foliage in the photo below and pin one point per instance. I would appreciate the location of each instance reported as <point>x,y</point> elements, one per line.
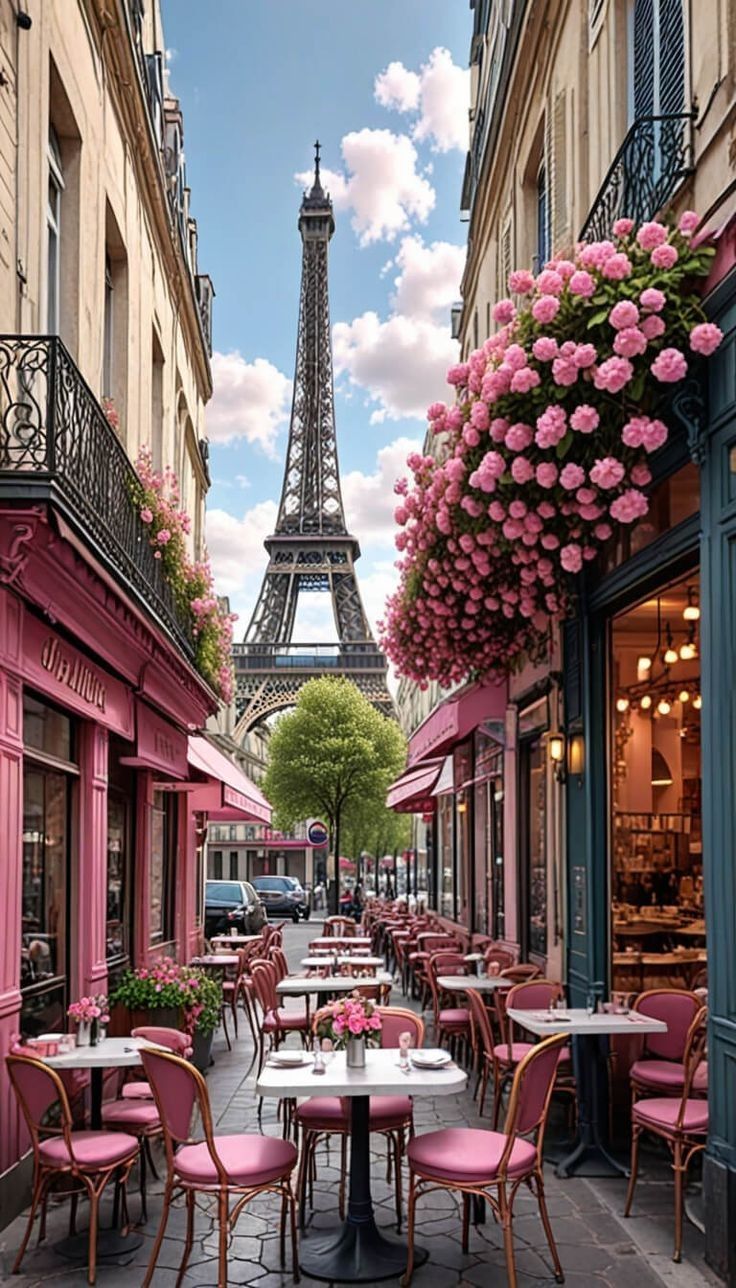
<point>333,752</point>
<point>374,829</point>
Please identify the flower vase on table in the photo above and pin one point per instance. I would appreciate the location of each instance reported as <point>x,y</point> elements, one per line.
<point>84,1033</point>
<point>353,1023</point>
<point>90,1015</point>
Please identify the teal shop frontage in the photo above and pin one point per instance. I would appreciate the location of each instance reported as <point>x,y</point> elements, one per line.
<point>649,684</point>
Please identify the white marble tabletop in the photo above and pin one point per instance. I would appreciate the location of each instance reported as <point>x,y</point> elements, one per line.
<point>341,942</point>
<point>215,959</point>
<point>577,1021</point>
<point>481,983</point>
<point>321,963</point>
<point>381,1076</point>
<point>295,985</point>
<point>111,1053</point>
<point>238,940</point>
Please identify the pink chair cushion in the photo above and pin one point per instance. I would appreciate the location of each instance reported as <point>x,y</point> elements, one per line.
<point>518,1051</point>
<point>467,1154</point>
<point>454,1017</point>
<point>662,1111</point>
<point>667,1075</point>
<point>247,1159</point>
<point>138,1115</point>
<point>389,1112</point>
<point>137,1091</point>
<point>323,1109</point>
<point>93,1150</point>
<point>285,1020</point>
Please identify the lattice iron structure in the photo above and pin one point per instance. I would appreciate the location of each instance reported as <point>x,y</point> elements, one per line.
<point>311,548</point>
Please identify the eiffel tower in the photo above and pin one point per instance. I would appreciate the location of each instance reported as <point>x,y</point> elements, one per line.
<point>311,548</point>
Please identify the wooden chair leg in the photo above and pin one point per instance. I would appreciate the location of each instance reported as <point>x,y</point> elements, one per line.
<point>94,1209</point>
<point>39,1193</point>
<point>294,1249</point>
<point>189,1238</point>
<point>559,1274</point>
<point>410,1220</point>
<point>466,1223</point>
<point>159,1236</point>
<point>222,1215</point>
<point>679,1171</point>
<point>634,1170</point>
<point>508,1236</point>
<point>224,1025</point>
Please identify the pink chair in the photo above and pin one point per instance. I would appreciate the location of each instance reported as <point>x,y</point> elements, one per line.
<point>91,1157</point>
<point>492,1165</point>
<point>659,1069</point>
<point>451,1023</point>
<point>681,1121</point>
<point>390,1116</point>
<point>276,1022</point>
<point>172,1039</point>
<point>224,1167</point>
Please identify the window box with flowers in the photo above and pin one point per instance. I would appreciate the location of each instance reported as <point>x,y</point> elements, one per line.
<point>170,996</point>
<point>545,452</point>
<point>156,496</point>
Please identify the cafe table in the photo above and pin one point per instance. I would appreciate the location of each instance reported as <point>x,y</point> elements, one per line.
<point>298,985</point>
<point>481,983</point>
<point>590,1155</point>
<point>215,961</point>
<point>358,1252</point>
<point>320,963</point>
<point>341,942</point>
<point>110,1053</point>
<point>239,941</point>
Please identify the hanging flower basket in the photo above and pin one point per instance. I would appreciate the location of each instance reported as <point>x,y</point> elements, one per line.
<point>545,454</point>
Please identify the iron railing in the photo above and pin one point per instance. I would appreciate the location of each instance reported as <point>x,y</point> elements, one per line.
<point>56,444</point>
<point>308,657</point>
<point>653,159</point>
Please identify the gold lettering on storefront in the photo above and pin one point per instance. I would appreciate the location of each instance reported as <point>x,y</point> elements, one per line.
<point>74,673</point>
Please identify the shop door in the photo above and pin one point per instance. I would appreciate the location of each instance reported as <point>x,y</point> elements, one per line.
<point>533,849</point>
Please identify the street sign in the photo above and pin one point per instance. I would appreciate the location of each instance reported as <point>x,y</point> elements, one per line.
<point>317,833</point>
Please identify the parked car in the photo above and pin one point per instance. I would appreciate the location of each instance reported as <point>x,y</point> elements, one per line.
<point>232,905</point>
<point>284,897</point>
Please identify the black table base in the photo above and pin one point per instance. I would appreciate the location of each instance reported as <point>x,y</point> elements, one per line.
<point>359,1252</point>
<point>111,1246</point>
<point>590,1155</point>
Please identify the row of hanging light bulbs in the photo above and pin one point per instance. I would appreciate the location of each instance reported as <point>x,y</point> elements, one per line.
<point>663,706</point>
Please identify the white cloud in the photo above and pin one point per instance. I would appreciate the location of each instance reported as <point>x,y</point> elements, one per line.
<point>401,362</point>
<point>398,88</point>
<point>370,499</point>
<point>237,555</point>
<point>382,186</point>
<point>428,282</point>
<point>250,401</point>
<point>440,93</point>
<point>333,183</point>
<point>375,589</point>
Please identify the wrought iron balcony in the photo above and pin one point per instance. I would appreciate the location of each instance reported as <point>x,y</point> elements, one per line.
<point>57,445</point>
<point>339,658</point>
<point>653,159</point>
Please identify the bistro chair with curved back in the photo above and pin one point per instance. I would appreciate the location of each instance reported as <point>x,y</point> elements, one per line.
<point>492,1165</point>
<point>225,1167</point>
<point>391,1116</point>
<point>90,1157</point>
<point>538,995</point>
<point>501,957</point>
<point>509,1052</point>
<point>451,1023</point>
<point>339,928</point>
<point>681,1121</point>
<point>232,993</point>
<point>659,1069</point>
<point>276,1022</point>
<point>172,1039</point>
<point>418,961</point>
<point>278,957</point>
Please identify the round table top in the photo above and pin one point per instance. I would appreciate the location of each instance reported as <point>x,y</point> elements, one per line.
<point>215,959</point>
<point>381,1076</point>
<point>352,941</point>
<point>481,983</point>
<point>235,939</point>
<point>111,1053</point>
<point>319,963</point>
<point>294,985</point>
<point>576,1020</point>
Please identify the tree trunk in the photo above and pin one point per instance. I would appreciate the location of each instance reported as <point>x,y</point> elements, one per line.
<point>333,898</point>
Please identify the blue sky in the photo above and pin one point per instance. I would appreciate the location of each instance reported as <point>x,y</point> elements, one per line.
<point>383,85</point>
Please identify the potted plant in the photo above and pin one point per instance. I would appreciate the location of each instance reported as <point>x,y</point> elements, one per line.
<point>202,1016</point>
<point>353,1023</point>
<point>154,994</point>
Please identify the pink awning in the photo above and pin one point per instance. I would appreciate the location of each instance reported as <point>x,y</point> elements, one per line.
<point>230,797</point>
<point>456,718</point>
<point>412,792</point>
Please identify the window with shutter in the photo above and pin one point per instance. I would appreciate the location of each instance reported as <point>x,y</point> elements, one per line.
<point>560,213</point>
<point>504,258</point>
<point>657,62</point>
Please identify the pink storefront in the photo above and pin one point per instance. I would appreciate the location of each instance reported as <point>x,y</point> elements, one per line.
<point>105,787</point>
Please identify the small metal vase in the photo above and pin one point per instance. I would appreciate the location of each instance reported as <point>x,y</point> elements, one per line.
<point>356,1053</point>
<point>84,1031</point>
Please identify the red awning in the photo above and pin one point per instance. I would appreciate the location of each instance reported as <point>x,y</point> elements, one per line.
<point>412,792</point>
<point>456,718</point>
<point>230,796</point>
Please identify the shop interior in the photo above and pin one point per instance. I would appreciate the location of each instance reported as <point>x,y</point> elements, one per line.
<point>658,916</point>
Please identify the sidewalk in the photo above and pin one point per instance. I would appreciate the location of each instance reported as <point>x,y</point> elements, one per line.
<point>597,1248</point>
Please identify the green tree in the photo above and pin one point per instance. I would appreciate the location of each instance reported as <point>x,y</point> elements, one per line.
<point>332,751</point>
<point>374,830</point>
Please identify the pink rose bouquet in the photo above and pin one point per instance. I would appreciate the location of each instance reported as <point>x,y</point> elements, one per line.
<point>350,1017</point>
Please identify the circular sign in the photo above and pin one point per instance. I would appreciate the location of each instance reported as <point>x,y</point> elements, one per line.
<point>317,833</point>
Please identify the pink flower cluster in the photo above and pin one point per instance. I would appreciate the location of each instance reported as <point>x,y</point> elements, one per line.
<point>88,1009</point>
<point>544,452</point>
<point>156,493</point>
<point>350,1017</point>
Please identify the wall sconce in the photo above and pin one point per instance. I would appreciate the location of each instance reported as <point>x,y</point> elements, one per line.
<point>691,611</point>
<point>462,805</point>
<point>576,757</point>
<point>556,752</point>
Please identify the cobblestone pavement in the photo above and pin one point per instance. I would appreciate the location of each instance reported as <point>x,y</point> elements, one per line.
<point>597,1248</point>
